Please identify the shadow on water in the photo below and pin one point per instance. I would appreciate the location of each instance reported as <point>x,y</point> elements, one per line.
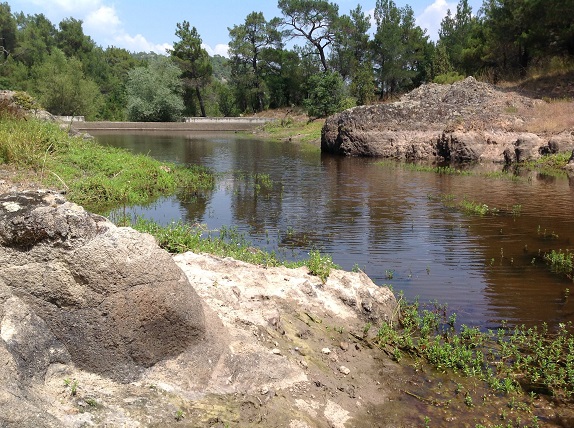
<point>385,220</point>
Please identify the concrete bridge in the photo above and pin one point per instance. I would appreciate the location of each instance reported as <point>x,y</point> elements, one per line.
<point>190,124</point>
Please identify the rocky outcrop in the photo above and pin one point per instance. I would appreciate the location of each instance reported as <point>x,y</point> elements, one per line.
<point>74,288</point>
<point>467,121</point>
<point>100,327</point>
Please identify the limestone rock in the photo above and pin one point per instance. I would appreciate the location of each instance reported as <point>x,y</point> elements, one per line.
<point>468,121</point>
<point>78,289</point>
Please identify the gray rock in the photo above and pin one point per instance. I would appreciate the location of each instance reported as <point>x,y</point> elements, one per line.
<point>467,121</point>
<point>77,288</point>
<point>528,147</point>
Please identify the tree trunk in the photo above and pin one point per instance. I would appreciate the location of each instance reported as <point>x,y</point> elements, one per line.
<point>200,99</point>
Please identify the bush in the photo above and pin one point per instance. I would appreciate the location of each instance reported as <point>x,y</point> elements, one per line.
<point>448,78</point>
<point>326,94</point>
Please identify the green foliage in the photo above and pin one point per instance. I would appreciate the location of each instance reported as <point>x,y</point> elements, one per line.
<point>7,32</point>
<point>523,359</point>
<point>251,60</point>
<point>326,94</point>
<point>398,49</point>
<point>193,59</point>
<point>320,265</point>
<point>313,20</point>
<point>448,78</point>
<point>559,261</point>
<point>94,176</point>
<point>155,92</point>
<point>63,89</point>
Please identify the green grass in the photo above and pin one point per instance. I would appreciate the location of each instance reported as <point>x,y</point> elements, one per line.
<point>93,176</point>
<point>181,237</point>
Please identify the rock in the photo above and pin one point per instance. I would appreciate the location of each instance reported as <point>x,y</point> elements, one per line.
<point>99,327</point>
<point>76,288</point>
<point>561,143</point>
<point>467,121</point>
<point>344,370</point>
<point>570,165</point>
<point>528,147</point>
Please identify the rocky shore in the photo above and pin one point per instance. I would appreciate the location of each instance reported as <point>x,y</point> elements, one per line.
<point>468,121</point>
<point>100,327</point>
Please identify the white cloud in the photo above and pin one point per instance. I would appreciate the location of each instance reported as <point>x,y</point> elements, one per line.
<point>139,43</point>
<point>433,15</point>
<point>220,49</point>
<point>103,21</point>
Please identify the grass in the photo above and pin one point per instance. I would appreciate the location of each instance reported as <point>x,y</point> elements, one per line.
<point>93,176</point>
<point>182,237</point>
<point>298,130</point>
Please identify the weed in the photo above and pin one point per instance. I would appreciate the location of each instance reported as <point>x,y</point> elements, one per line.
<point>531,360</point>
<point>94,176</point>
<point>560,262</point>
<point>73,385</point>
<point>389,274</point>
<point>179,415</point>
<point>320,265</point>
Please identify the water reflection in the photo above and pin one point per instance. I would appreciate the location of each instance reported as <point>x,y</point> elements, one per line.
<point>487,268</point>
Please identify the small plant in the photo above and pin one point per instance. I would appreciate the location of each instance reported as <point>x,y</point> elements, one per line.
<point>320,265</point>
<point>73,385</point>
<point>179,415</point>
<point>468,400</point>
<point>389,274</point>
<point>560,262</point>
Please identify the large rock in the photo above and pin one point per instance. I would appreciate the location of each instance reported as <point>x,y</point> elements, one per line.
<point>467,121</point>
<point>76,288</point>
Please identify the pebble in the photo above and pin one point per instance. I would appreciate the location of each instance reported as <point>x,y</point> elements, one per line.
<point>264,390</point>
<point>344,346</point>
<point>326,351</point>
<point>276,351</point>
<point>344,370</point>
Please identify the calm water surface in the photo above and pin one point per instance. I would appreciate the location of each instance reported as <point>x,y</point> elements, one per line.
<point>390,222</point>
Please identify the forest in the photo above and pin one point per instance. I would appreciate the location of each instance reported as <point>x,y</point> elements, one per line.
<point>311,56</point>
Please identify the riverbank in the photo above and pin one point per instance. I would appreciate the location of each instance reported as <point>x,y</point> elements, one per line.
<point>451,399</point>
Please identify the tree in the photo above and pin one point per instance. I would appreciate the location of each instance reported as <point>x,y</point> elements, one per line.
<point>194,62</point>
<point>249,43</point>
<point>398,48</point>
<point>313,20</point>
<point>7,31</point>
<point>36,39</point>
<point>72,40</point>
<point>326,94</point>
<point>350,54</point>
<point>155,92</point>
<point>63,89</point>
<point>455,40</point>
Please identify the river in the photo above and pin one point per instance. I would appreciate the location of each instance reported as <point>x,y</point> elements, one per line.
<point>402,227</point>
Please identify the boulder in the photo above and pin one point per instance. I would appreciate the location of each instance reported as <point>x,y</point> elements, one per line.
<point>528,147</point>
<point>468,121</point>
<point>76,288</point>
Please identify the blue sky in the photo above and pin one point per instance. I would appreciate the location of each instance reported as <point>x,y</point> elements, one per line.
<point>149,25</point>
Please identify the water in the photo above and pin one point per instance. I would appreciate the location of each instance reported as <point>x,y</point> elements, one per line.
<point>388,221</point>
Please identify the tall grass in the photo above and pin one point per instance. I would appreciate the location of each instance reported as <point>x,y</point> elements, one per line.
<point>94,176</point>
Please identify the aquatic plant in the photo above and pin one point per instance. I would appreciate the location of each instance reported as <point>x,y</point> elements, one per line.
<point>509,360</point>
<point>559,261</point>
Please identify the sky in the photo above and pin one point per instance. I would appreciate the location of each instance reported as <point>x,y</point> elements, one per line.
<point>149,25</point>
